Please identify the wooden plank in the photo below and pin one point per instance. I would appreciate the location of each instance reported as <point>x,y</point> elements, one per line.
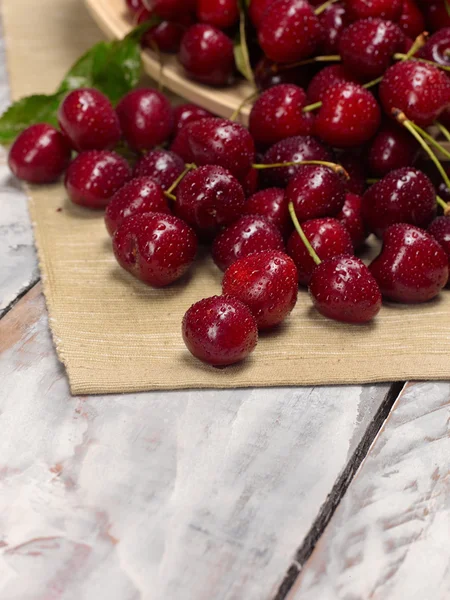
<point>388,539</point>
<point>193,495</point>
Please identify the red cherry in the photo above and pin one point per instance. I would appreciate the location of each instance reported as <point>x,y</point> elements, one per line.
<point>333,21</point>
<point>154,247</point>
<point>94,177</point>
<point>187,113</point>
<point>328,237</point>
<point>325,79</point>
<point>440,230</point>
<point>267,283</point>
<point>411,21</point>
<point>209,198</point>
<point>250,182</point>
<point>180,145</point>
<point>145,117</point>
<point>248,235</point>
<point>88,119</point>
<point>412,266</point>
<point>257,10</point>
<point>278,114</point>
<point>316,191</point>
<point>170,9</point>
<point>437,47</point>
<point>138,196</point>
<point>349,116</point>
<point>392,148</point>
<point>162,166</point>
<point>220,330</point>
<point>271,204</point>
<point>40,154</point>
<point>418,89</point>
<point>289,31</point>
<point>342,288</point>
<point>436,15</point>
<point>134,6</point>
<point>294,149</point>
<point>166,36</point>
<point>267,74</point>
<point>355,165</point>
<point>218,13</point>
<point>221,142</point>
<point>207,55</point>
<point>390,10</point>
<point>351,217</point>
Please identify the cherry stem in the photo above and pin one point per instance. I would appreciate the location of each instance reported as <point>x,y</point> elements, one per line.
<point>338,169</point>
<point>301,233</point>
<point>430,139</point>
<point>237,112</point>
<point>309,61</point>
<point>418,43</point>
<point>316,105</point>
<point>424,60</point>
<point>445,132</point>
<point>311,107</point>
<point>443,204</point>
<point>323,7</point>
<point>371,181</point>
<point>178,180</point>
<point>370,84</point>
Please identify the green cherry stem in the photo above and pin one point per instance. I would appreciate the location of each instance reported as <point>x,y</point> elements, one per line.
<point>418,43</point>
<point>445,132</point>
<point>338,169</point>
<point>245,101</point>
<point>430,139</point>
<point>302,235</point>
<point>368,85</point>
<point>443,204</point>
<point>400,56</point>
<point>178,180</point>
<point>323,7</point>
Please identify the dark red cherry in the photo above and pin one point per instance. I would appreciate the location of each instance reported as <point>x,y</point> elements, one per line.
<point>220,330</point>
<point>250,183</point>
<point>94,177</point>
<point>342,288</point>
<point>162,166</point>
<point>206,53</point>
<point>218,13</point>
<point>325,79</point>
<point>328,237</point>
<point>267,283</point>
<point>257,10</point>
<point>412,267</point>
<point>187,113</point>
<point>145,117</point>
<point>411,21</point>
<point>170,9</point>
<point>351,217</point>
<point>333,21</point>
<point>40,154</point>
<point>349,116</point>
<point>390,10</point>
<point>271,204</point>
<point>268,74</point>
<point>437,48</point>
<point>251,233</point>
<point>436,14</point>
<point>392,148</point>
<point>289,31</point>
<point>155,247</point>
<point>166,37</point>
<point>355,163</point>
<point>138,196</point>
<point>440,230</point>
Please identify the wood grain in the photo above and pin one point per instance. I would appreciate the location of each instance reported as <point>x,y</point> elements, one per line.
<point>192,495</point>
<point>389,537</point>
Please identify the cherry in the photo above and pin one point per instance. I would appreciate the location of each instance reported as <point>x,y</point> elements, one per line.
<point>351,217</point>
<point>89,121</point>
<point>257,10</point>
<point>403,196</point>
<point>180,145</point>
<point>325,79</point>
<point>289,31</point>
<point>293,149</point>
<point>349,116</point>
<point>187,113</point>
<point>134,6</point>
<point>418,89</point>
<point>249,234</point>
<point>221,142</point>
<point>250,183</point>
<point>220,330</point>
<point>367,47</point>
<point>209,198</point>
<point>392,148</point>
<point>390,10</point>
<point>436,15</point>
<point>162,166</point>
<point>278,114</point>
<point>155,247</point>
<point>267,283</point>
<point>267,74</point>
<point>342,288</point>
<point>206,53</point>
<point>333,21</point>
<point>440,230</point>
<point>94,177</point>
<point>40,154</point>
<point>170,9</point>
<point>411,21</point>
<point>355,165</point>
<point>327,236</point>
<point>145,117</point>
<point>218,13</point>
<point>316,191</point>
<point>271,204</point>
<point>437,48</point>
<point>166,37</point>
<point>412,266</point>
<point>138,196</point>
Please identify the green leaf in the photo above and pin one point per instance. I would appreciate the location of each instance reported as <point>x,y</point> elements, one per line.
<point>241,55</point>
<point>81,73</point>
<point>28,111</point>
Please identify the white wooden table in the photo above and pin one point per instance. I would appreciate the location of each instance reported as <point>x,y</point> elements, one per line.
<point>264,494</point>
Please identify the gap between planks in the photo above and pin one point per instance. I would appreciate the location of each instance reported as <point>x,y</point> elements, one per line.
<point>23,292</point>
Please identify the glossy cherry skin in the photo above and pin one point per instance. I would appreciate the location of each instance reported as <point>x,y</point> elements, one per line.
<point>294,149</point>
<point>138,196</point>
<point>349,116</point>
<point>257,10</point>
<point>155,247</point>
<point>278,114</point>
<point>437,48</point>
<point>220,330</point>
<point>392,148</point>
<point>327,236</point>
<point>187,113</point>
<point>218,13</point>
<point>403,196</point>
<point>206,53</point>
<point>325,79</point>
<point>316,191</point>
<point>170,9</point>
<point>221,142</point>
<point>145,117</point>
<point>411,21</point>
<point>250,183</point>
<point>89,120</point>
<point>40,154</point>
<point>390,10</point>
<point>209,198</point>
<point>418,89</point>
<point>289,31</point>
<point>267,283</point>
<point>251,233</point>
<point>166,37</point>
<point>412,266</point>
<point>333,21</point>
<point>162,166</point>
<point>357,169</point>
<point>351,217</point>
<point>94,177</point>
<point>271,204</point>
<point>342,288</point>
<point>440,230</point>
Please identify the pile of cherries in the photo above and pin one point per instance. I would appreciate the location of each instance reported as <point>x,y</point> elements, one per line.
<point>292,198</point>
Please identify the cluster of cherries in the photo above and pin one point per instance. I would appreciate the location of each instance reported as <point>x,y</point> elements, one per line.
<point>281,203</point>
